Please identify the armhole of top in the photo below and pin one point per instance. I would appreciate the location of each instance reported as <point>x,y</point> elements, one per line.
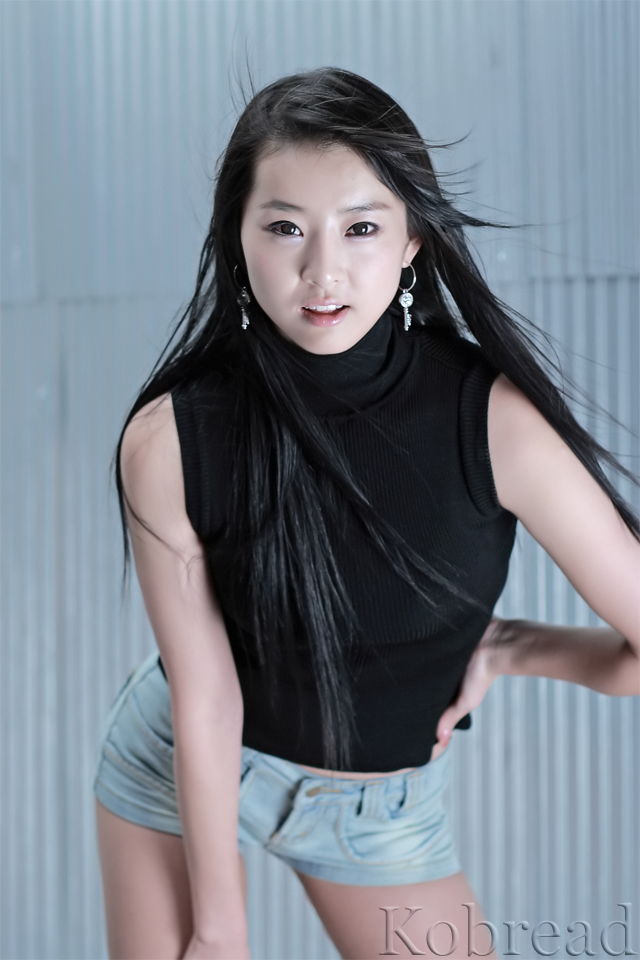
<point>187,426</point>
<point>474,437</point>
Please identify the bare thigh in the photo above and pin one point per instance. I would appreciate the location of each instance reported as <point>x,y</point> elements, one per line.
<point>361,930</point>
<point>146,890</point>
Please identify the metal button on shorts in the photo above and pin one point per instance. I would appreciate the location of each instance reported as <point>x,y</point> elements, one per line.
<point>383,831</point>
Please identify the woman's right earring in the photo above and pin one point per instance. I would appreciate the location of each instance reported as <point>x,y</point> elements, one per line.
<point>243,301</point>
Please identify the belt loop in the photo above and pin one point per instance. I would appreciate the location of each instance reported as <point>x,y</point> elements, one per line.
<point>413,789</point>
<point>372,798</point>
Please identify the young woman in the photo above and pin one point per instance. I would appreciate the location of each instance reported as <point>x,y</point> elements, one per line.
<point>321,485</point>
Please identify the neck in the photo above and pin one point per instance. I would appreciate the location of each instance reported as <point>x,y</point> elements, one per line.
<point>367,355</point>
<point>353,378</point>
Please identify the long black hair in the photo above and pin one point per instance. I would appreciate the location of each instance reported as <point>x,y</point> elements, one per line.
<point>288,475</point>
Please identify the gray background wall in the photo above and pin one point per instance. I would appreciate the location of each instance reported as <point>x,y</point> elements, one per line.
<point>112,116</point>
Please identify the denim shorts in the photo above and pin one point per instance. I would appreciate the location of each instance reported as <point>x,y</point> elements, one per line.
<point>371,832</point>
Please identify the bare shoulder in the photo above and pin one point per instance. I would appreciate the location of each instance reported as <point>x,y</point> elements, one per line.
<point>150,444</point>
<point>521,441</point>
<point>151,467</point>
<point>510,410</point>
<point>155,417</point>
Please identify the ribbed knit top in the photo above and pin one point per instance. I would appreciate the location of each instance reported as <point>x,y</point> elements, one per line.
<point>409,411</point>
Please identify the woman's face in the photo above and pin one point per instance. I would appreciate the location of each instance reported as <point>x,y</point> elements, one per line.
<point>324,242</point>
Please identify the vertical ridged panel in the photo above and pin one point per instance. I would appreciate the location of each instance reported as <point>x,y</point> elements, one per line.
<point>113,116</point>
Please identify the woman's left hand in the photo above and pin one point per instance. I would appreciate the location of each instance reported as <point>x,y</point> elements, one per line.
<point>480,673</point>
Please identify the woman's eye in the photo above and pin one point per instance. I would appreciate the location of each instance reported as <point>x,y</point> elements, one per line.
<point>362,229</point>
<point>285,228</point>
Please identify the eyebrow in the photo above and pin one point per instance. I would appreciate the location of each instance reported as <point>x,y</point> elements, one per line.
<point>363,207</point>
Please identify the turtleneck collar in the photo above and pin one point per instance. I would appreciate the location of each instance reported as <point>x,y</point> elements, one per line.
<point>339,382</point>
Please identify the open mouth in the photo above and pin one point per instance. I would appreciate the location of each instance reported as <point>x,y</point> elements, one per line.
<point>333,308</point>
<point>325,314</point>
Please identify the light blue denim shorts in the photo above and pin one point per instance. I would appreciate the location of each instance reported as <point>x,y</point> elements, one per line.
<point>370,832</point>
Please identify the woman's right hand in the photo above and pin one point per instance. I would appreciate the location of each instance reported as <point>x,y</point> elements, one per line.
<point>226,948</point>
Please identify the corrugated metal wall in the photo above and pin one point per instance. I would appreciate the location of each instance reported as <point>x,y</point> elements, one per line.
<point>113,114</point>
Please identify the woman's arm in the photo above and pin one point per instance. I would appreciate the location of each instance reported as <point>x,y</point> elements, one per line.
<point>541,481</point>
<point>596,657</point>
<point>206,701</point>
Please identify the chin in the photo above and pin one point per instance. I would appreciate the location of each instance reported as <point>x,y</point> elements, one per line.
<point>338,338</point>
<point>330,340</point>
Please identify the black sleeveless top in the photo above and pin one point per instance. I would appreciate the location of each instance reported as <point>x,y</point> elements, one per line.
<point>410,412</point>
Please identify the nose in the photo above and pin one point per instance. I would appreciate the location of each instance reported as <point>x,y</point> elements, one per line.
<point>322,267</point>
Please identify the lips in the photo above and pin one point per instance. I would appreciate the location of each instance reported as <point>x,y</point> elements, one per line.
<point>324,314</point>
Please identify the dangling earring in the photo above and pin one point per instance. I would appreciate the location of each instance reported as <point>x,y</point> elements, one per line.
<point>405,299</point>
<point>243,300</point>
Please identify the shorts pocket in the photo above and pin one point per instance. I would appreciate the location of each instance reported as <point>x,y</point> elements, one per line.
<point>397,836</point>
<point>151,706</point>
<point>136,739</point>
<point>134,748</point>
<point>115,707</point>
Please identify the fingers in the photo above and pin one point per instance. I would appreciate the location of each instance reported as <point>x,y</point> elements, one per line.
<point>446,724</point>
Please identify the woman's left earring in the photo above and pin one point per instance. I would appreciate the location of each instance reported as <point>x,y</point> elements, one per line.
<point>406,300</point>
<point>243,300</point>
